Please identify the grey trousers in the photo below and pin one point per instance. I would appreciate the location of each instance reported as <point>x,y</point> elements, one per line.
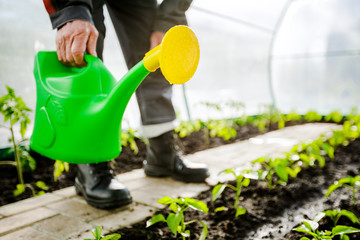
<point>133,21</point>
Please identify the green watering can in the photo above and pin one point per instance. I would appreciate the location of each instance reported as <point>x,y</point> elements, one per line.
<point>79,110</point>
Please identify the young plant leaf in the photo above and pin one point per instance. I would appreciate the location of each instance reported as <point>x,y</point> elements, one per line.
<point>341,230</point>
<point>173,221</point>
<point>174,207</point>
<point>165,200</point>
<point>344,237</point>
<point>281,172</point>
<point>198,205</point>
<point>240,211</point>
<point>42,185</point>
<point>245,182</point>
<point>155,219</point>
<point>332,188</point>
<point>20,188</point>
<point>217,190</point>
<point>97,232</point>
<point>114,236</point>
<point>220,209</point>
<point>204,231</point>
<point>351,216</point>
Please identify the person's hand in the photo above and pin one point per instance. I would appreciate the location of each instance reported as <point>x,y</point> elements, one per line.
<point>73,39</point>
<point>156,38</point>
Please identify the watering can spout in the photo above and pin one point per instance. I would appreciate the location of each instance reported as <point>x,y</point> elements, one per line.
<point>79,111</point>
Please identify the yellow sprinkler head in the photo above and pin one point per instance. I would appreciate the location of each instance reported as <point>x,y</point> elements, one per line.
<point>177,55</point>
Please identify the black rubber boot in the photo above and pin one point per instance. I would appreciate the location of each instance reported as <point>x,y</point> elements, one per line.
<point>100,189</point>
<point>162,161</point>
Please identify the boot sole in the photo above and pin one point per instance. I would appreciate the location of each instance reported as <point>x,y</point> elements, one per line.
<point>100,203</point>
<point>154,171</point>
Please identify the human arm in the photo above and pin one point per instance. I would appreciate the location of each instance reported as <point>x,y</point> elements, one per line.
<point>76,32</point>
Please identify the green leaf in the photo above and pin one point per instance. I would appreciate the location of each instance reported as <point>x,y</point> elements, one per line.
<point>281,123</point>
<point>23,128</point>
<point>240,211</point>
<point>173,221</point>
<point>350,216</point>
<point>42,185</point>
<point>281,172</point>
<point>165,200</point>
<point>97,232</point>
<point>39,193</point>
<point>227,171</point>
<point>174,207</point>
<point>311,225</point>
<point>31,161</point>
<point>217,190</point>
<point>155,219</point>
<point>20,188</point>
<point>332,188</point>
<point>344,237</point>
<point>321,161</point>
<point>260,160</point>
<point>198,205</point>
<point>293,172</point>
<point>304,238</point>
<point>305,158</point>
<point>114,236</point>
<point>220,209</point>
<point>204,231</point>
<point>246,182</point>
<point>340,230</point>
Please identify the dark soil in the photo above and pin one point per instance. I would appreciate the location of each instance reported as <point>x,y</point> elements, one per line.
<point>125,162</point>
<point>271,214</point>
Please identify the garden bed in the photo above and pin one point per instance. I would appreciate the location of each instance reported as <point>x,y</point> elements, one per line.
<point>271,214</point>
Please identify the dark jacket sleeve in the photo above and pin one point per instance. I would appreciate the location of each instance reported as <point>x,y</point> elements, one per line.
<point>171,13</point>
<point>63,11</point>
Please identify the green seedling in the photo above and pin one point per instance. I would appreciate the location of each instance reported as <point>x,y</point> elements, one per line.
<point>335,215</point>
<point>222,128</point>
<point>175,220</point>
<point>128,138</point>
<point>97,234</point>
<point>279,167</point>
<point>353,116</point>
<point>338,138</point>
<point>335,116</point>
<point>185,128</point>
<point>310,153</point>
<point>241,181</point>
<point>312,116</point>
<point>350,131</point>
<point>311,228</point>
<point>15,111</point>
<point>293,116</point>
<point>59,168</point>
<point>350,182</point>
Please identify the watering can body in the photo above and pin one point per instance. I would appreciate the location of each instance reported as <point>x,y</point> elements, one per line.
<point>79,110</point>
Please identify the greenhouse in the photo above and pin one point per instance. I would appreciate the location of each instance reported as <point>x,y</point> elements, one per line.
<point>264,144</point>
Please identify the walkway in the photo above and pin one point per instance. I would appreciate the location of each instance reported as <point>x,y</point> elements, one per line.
<point>63,215</point>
